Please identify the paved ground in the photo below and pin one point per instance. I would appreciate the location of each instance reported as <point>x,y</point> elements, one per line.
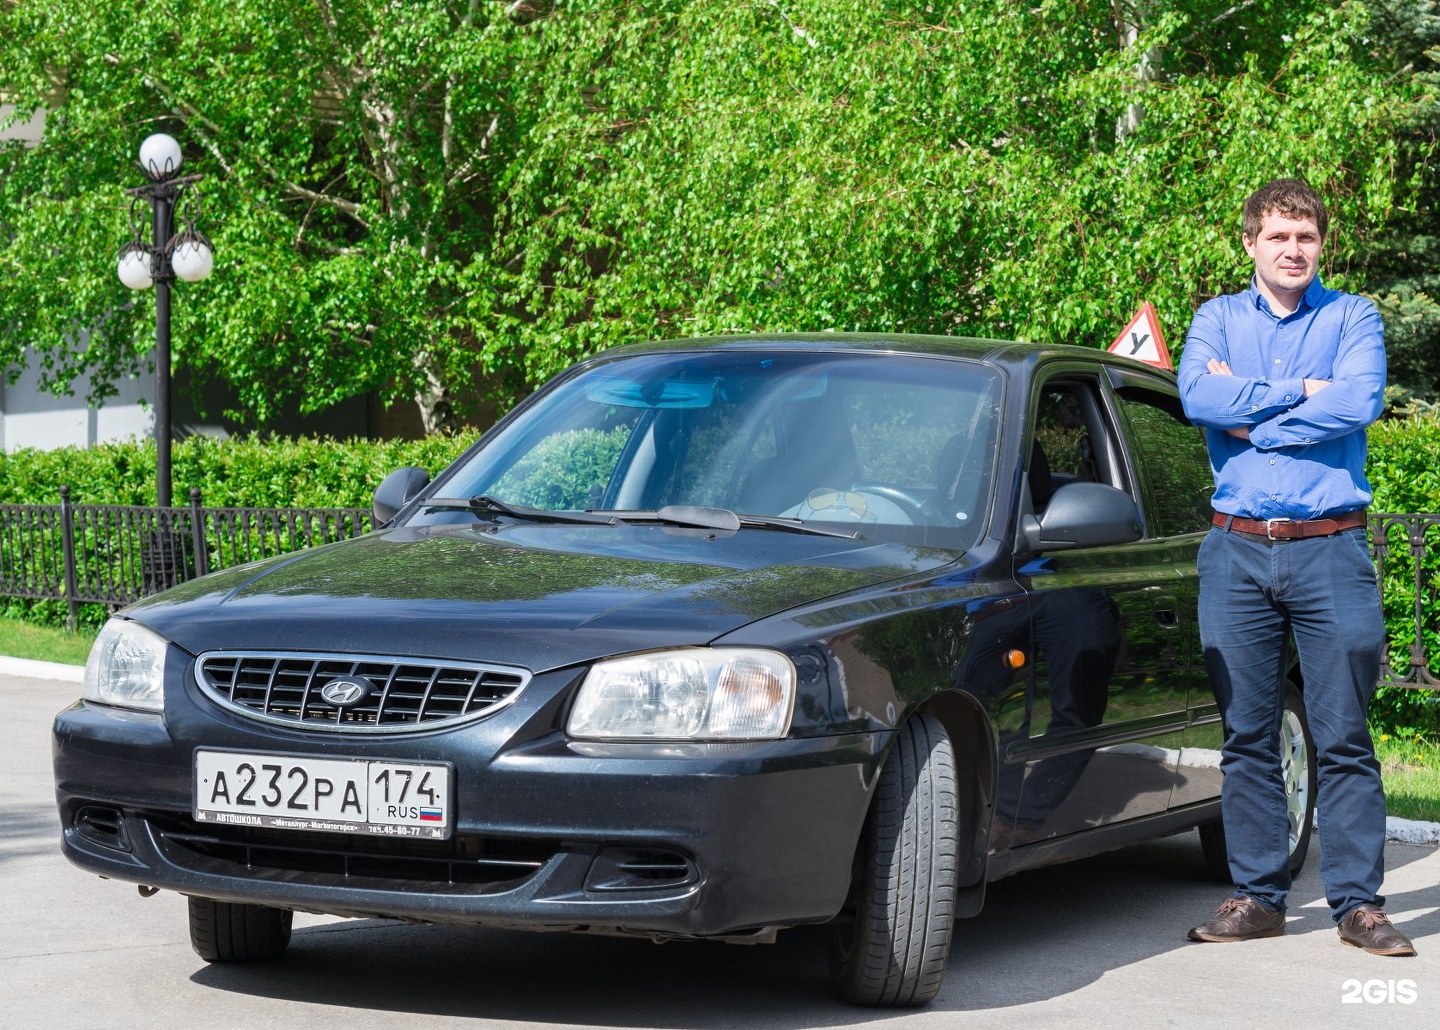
<point>1093,944</point>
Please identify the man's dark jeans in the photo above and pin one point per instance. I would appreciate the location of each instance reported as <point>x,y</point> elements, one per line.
<point>1253,595</point>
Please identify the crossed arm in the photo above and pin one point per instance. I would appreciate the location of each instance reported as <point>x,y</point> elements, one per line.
<point>1271,414</point>
<point>1216,367</point>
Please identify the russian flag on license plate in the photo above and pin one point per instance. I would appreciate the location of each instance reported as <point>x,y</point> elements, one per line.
<point>432,815</point>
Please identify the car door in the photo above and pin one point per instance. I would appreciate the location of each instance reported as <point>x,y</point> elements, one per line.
<point>1170,454</point>
<point>1108,691</point>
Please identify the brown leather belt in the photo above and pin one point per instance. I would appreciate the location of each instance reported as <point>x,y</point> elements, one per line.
<point>1289,529</point>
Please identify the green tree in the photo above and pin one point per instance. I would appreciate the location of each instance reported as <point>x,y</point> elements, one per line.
<point>956,168</point>
<point>1402,269</point>
<point>351,152</point>
<point>444,199</point>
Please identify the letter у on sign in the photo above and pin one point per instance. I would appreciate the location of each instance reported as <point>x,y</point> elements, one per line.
<point>1141,339</point>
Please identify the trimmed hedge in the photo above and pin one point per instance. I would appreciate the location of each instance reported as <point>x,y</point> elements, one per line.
<point>1404,470</point>
<point>255,473</point>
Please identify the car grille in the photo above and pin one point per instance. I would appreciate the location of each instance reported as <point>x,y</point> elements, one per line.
<point>328,859</point>
<point>400,695</point>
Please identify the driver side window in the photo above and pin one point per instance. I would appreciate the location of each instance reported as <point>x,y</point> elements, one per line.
<point>1063,449</point>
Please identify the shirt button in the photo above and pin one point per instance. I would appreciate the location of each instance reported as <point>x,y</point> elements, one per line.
<point>1287,396</point>
<point>1256,407</point>
<point>1272,461</point>
<point>1277,361</point>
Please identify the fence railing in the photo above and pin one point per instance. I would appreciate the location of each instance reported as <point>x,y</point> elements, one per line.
<point>115,554</point>
<point>1406,549</point>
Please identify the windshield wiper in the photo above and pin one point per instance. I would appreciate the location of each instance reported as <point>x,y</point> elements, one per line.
<point>486,503</point>
<point>701,517</point>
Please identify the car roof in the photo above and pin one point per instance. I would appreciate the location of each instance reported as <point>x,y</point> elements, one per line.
<point>991,351</point>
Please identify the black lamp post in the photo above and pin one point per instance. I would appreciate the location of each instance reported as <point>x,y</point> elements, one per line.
<point>186,255</point>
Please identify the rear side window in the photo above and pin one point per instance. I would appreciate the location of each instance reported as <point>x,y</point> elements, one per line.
<point>1172,458</point>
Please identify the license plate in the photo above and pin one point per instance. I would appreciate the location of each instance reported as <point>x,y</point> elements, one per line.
<point>333,795</point>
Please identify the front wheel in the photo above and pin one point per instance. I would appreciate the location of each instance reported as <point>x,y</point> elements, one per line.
<point>1297,765</point>
<point>890,946</point>
<point>222,931</point>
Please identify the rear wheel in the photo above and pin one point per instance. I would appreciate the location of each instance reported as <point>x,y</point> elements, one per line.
<point>1297,763</point>
<point>224,932</point>
<point>891,945</point>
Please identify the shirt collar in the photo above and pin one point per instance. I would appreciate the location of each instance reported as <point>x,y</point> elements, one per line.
<point>1309,299</point>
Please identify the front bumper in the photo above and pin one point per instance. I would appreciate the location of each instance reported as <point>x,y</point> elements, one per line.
<point>670,839</point>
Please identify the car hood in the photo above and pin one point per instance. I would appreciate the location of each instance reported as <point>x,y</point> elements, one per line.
<point>538,596</point>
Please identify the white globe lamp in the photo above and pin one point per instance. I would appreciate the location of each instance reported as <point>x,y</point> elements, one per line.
<point>134,268</point>
<point>160,156</point>
<point>192,259</point>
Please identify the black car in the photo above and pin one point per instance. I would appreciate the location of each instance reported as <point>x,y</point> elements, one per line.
<point>706,639</point>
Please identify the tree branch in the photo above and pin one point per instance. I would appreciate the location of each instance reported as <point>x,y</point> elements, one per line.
<point>796,30</point>
<point>200,123</point>
<point>1222,16</point>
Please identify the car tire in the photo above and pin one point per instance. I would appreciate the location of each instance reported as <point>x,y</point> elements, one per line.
<point>890,946</point>
<point>1297,751</point>
<point>224,932</point>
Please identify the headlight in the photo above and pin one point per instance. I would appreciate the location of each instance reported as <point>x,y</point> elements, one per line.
<point>688,694</point>
<point>126,667</point>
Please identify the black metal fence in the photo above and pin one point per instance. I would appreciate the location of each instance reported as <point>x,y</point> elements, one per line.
<point>115,554</point>
<point>1406,549</point>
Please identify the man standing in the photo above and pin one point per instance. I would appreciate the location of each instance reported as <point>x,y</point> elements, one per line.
<point>1285,377</point>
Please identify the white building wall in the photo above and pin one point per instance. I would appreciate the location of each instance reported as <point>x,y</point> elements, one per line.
<point>28,131</point>
<point>32,417</point>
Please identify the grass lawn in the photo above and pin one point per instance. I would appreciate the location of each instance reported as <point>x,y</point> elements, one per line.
<point>20,639</point>
<point>1411,767</point>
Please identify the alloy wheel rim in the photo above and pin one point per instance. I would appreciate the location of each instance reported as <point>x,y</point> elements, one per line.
<point>1296,772</point>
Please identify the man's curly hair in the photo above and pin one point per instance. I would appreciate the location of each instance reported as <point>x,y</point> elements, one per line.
<point>1289,197</point>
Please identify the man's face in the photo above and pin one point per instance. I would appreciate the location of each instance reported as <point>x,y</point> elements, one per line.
<point>1286,253</point>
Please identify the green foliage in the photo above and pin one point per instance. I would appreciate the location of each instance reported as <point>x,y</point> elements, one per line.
<point>449,199</point>
<point>564,470</point>
<point>1410,765</point>
<point>25,639</point>
<point>1404,472</point>
<point>954,168</point>
<point>350,157</point>
<point>301,473</point>
<point>1400,268</point>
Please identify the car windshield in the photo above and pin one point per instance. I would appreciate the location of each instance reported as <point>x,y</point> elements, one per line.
<point>877,441</point>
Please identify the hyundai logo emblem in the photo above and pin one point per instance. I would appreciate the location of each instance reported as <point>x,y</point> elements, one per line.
<point>347,692</point>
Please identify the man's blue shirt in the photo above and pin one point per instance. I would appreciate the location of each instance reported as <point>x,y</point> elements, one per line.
<point>1306,455</point>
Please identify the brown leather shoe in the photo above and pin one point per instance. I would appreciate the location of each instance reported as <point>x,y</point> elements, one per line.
<point>1240,919</point>
<point>1369,928</point>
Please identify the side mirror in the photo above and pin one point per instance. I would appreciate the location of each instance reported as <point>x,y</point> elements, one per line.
<point>396,490</point>
<point>1083,515</point>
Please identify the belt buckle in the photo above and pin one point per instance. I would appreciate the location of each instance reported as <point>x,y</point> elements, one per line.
<point>1270,532</point>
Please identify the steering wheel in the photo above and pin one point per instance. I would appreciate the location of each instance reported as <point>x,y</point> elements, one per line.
<point>916,508</point>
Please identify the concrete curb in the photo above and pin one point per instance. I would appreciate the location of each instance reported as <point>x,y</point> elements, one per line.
<point>1404,831</point>
<point>37,670</point>
<point>1411,831</point>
